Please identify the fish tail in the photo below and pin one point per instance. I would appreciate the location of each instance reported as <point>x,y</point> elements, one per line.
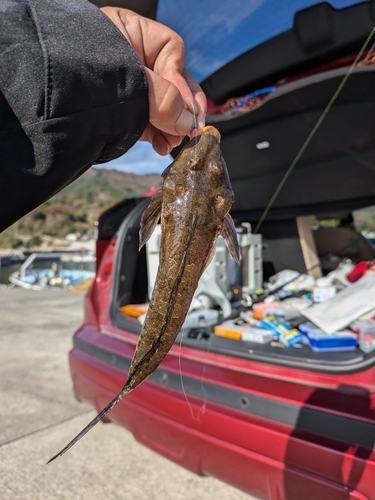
<point>93,422</point>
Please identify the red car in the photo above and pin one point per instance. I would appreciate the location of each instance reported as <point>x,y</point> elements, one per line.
<point>278,423</point>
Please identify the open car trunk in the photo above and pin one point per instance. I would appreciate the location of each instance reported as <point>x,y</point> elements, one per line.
<point>334,173</point>
<point>131,286</point>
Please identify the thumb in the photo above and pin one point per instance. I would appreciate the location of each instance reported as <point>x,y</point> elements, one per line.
<point>168,111</point>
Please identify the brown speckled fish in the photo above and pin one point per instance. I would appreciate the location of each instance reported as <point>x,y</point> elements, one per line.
<point>193,206</point>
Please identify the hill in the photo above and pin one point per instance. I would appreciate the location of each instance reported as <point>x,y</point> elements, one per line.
<point>75,208</point>
<point>106,185</point>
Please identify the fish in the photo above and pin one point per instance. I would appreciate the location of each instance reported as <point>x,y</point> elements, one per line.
<point>193,206</point>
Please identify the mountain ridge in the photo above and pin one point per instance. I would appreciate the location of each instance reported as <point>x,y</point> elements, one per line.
<point>76,207</point>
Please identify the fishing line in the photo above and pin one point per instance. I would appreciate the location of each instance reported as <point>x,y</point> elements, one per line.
<point>195,123</point>
<point>313,132</point>
<point>202,409</point>
<point>182,381</point>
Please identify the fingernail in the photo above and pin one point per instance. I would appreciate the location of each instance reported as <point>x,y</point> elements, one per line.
<point>201,124</point>
<point>185,123</point>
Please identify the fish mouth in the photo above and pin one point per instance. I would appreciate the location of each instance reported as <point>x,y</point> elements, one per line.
<point>212,131</point>
<point>198,154</point>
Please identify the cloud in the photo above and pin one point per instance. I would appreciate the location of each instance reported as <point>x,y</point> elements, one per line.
<point>140,159</point>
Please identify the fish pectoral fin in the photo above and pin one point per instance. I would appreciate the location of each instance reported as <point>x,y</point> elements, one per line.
<point>230,235</point>
<point>150,218</point>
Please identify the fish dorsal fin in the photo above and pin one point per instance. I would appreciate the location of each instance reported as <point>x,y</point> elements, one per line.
<point>229,234</point>
<point>150,218</point>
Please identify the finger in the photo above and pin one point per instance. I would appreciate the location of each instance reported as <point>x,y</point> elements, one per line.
<point>193,96</point>
<point>200,100</point>
<point>156,44</point>
<point>163,51</point>
<point>162,143</point>
<point>167,108</point>
<point>154,137</point>
<point>151,40</point>
<point>168,63</point>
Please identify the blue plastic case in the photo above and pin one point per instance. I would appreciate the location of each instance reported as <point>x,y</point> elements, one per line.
<point>320,341</point>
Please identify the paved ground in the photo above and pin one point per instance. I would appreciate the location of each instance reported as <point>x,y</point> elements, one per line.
<point>38,415</point>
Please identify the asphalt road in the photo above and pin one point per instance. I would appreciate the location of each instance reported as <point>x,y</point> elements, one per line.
<point>39,415</point>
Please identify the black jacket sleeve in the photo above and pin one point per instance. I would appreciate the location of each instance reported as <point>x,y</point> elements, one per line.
<point>72,93</point>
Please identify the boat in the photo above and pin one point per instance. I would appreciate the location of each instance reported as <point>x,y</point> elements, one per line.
<point>56,278</point>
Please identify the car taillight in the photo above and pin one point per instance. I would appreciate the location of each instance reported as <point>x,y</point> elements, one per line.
<point>99,295</point>
<point>101,246</point>
<point>90,316</point>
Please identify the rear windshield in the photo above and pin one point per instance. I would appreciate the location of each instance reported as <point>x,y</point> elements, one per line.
<point>232,28</point>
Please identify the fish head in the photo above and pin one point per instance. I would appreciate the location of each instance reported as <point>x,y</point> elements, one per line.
<point>196,192</point>
<point>199,173</point>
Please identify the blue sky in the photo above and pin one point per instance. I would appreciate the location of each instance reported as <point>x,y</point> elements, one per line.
<point>140,159</point>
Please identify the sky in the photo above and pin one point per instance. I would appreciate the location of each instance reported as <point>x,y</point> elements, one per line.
<point>140,159</point>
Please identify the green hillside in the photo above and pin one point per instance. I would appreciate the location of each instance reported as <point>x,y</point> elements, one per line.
<point>76,207</point>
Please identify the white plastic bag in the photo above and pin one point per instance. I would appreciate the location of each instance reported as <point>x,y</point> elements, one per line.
<point>353,302</point>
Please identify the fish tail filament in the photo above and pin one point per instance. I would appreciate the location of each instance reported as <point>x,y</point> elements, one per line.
<point>93,422</point>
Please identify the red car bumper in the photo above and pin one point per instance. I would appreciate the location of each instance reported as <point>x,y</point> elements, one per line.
<point>260,443</point>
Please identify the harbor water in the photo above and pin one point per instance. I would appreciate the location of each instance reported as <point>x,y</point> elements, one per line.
<point>6,271</point>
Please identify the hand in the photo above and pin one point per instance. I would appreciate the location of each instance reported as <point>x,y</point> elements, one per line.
<point>174,95</point>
